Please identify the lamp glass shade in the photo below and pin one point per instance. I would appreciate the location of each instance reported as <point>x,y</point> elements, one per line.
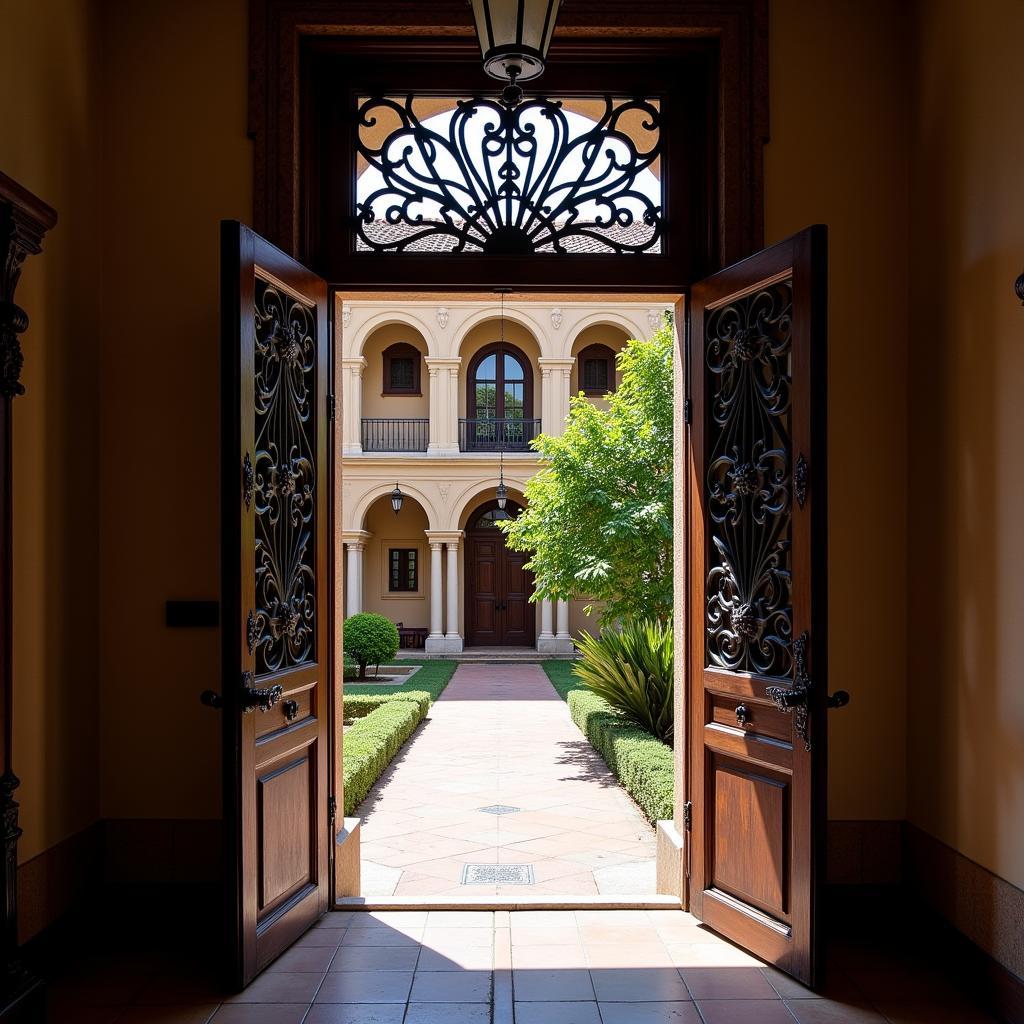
<point>514,36</point>
<point>502,495</point>
<point>397,497</point>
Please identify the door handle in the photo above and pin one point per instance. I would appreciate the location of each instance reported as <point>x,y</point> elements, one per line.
<point>839,699</point>
<point>211,699</point>
<point>257,699</point>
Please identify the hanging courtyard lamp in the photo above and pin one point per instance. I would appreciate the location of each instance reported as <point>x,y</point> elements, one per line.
<point>501,494</point>
<point>397,497</point>
<point>514,38</point>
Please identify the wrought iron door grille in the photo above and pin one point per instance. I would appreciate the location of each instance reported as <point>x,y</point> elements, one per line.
<point>476,175</point>
<point>487,435</point>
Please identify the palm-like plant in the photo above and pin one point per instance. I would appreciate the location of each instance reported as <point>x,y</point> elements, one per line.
<point>631,668</point>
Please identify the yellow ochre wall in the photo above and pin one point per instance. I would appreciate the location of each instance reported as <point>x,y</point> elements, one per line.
<point>838,155</point>
<point>965,578</point>
<point>375,402</point>
<point>50,116</point>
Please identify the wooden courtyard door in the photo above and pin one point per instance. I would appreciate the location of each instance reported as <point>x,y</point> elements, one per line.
<point>756,600</point>
<point>276,617</point>
<point>498,586</point>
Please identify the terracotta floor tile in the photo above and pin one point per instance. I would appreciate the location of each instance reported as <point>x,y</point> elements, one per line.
<point>744,1011</point>
<point>448,1013</point>
<point>456,958</point>
<point>640,985</point>
<point>727,983</point>
<point>558,1013</point>
<point>638,954</point>
<point>552,985</point>
<point>280,988</point>
<point>267,1013</point>
<point>169,1014</point>
<point>547,935</point>
<point>832,1011</point>
<point>365,987</point>
<point>537,958</point>
<point>447,987</point>
<point>649,1013</point>
<point>376,958</point>
<point>351,1013</point>
<point>311,959</point>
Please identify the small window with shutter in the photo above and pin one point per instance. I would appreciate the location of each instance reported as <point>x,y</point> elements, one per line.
<point>401,370</point>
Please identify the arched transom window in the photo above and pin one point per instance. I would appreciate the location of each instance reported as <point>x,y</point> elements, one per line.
<point>500,384</point>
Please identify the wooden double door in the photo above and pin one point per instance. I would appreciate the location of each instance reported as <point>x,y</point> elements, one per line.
<point>498,584</point>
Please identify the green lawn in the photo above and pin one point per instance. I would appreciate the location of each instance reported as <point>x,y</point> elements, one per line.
<point>644,765</point>
<point>432,679</point>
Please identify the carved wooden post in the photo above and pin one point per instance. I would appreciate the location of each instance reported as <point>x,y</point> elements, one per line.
<point>24,219</point>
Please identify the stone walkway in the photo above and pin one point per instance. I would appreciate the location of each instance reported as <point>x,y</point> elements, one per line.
<point>499,794</point>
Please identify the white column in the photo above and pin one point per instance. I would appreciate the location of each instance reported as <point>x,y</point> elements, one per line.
<point>563,621</point>
<point>444,404</point>
<point>555,394</point>
<point>453,638</point>
<point>545,620</point>
<point>356,544</point>
<point>352,406</point>
<point>435,641</point>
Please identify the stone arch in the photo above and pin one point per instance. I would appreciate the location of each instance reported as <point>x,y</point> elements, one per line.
<point>477,493</point>
<point>356,346</point>
<point>633,328</point>
<point>357,517</point>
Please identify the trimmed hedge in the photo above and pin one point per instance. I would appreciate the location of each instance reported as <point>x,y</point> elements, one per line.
<point>644,765</point>
<point>373,741</point>
<point>359,705</point>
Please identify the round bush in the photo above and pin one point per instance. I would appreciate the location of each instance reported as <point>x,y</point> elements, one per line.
<point>370,639</point>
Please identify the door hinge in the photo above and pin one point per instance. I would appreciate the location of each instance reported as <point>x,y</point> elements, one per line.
<point>332,407</point>
<point>332,809</point>
<point>687,411</point>
<point>687,815</point>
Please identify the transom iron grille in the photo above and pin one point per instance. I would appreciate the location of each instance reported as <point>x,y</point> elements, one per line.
<point>476,175</point>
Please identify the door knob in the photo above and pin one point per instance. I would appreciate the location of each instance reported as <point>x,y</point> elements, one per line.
<point>258,699</point>
<point>742,715</point>
<point>211,699</point>
<point>290,709</point>
<point>839,699</point>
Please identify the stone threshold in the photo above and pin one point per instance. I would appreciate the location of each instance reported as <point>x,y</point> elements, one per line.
<point>369,903</point>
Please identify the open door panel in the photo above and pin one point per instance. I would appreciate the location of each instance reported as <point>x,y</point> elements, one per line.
<point>276,617</point>
<point>757,646</point>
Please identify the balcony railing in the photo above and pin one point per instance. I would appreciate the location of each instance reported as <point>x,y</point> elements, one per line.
<point>497,435</point>
<point>390,435</point>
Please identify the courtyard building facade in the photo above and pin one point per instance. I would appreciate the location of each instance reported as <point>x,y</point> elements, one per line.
<point>441,399</point>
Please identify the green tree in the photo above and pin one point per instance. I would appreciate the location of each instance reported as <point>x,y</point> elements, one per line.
<point>598,518</point>
<point>369,640</point>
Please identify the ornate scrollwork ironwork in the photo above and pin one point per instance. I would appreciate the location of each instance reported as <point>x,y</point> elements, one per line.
<point>747,356</point>
<point>284,480</point>
<point>510,179</point>
<point>800,476</point>
<point>257,698</point>
<point>248,481</point>
<point>796,698</point>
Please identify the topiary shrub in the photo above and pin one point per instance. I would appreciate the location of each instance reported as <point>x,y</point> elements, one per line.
<point>369,640</point>
<point>631,669</point>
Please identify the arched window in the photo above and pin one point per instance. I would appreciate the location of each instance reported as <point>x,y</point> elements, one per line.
<point>500,384</point>
<point>401,370</point>
<point>597,370</point>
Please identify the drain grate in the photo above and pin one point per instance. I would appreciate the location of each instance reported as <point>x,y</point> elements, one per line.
<point>497,874</point>
<point>500,809</point>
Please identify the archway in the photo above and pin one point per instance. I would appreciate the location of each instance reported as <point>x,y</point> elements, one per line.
<point>498,611</point>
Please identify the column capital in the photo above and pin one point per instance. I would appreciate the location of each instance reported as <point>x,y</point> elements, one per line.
<point>356,538</point>
<point>443,362</point>
<point>556,363</point>
<point>449,537</point>
<point>355,364</point>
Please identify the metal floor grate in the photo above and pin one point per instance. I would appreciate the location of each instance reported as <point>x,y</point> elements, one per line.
<point>497,874</point>
<point>499,809</point>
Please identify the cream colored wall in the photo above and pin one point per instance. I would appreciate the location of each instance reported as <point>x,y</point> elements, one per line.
<point>838,155</point>
<point>375,402</point>
<point>389,530</point>
<point>176,160</point>
<point>50,59</point>
<point>965,574</point>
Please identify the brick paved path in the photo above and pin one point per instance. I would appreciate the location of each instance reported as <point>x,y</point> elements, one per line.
<point>500,736</point>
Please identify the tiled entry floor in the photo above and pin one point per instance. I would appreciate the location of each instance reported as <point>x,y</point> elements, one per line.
<point>530,967</point>
<point>499,777</point>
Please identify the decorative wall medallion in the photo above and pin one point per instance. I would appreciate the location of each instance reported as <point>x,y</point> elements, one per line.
<point>556,318</point>
<point>748,616</point>
<point>654,318</point>
<point>443,490</point>
<point>285,480</point>
<point>346,315</point>
<point>442,317</point>
<point>509,180</point>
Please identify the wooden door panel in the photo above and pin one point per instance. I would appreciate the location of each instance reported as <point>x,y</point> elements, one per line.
<point>518,612</point>
<point>276,629</point>
<point>756,650</point>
